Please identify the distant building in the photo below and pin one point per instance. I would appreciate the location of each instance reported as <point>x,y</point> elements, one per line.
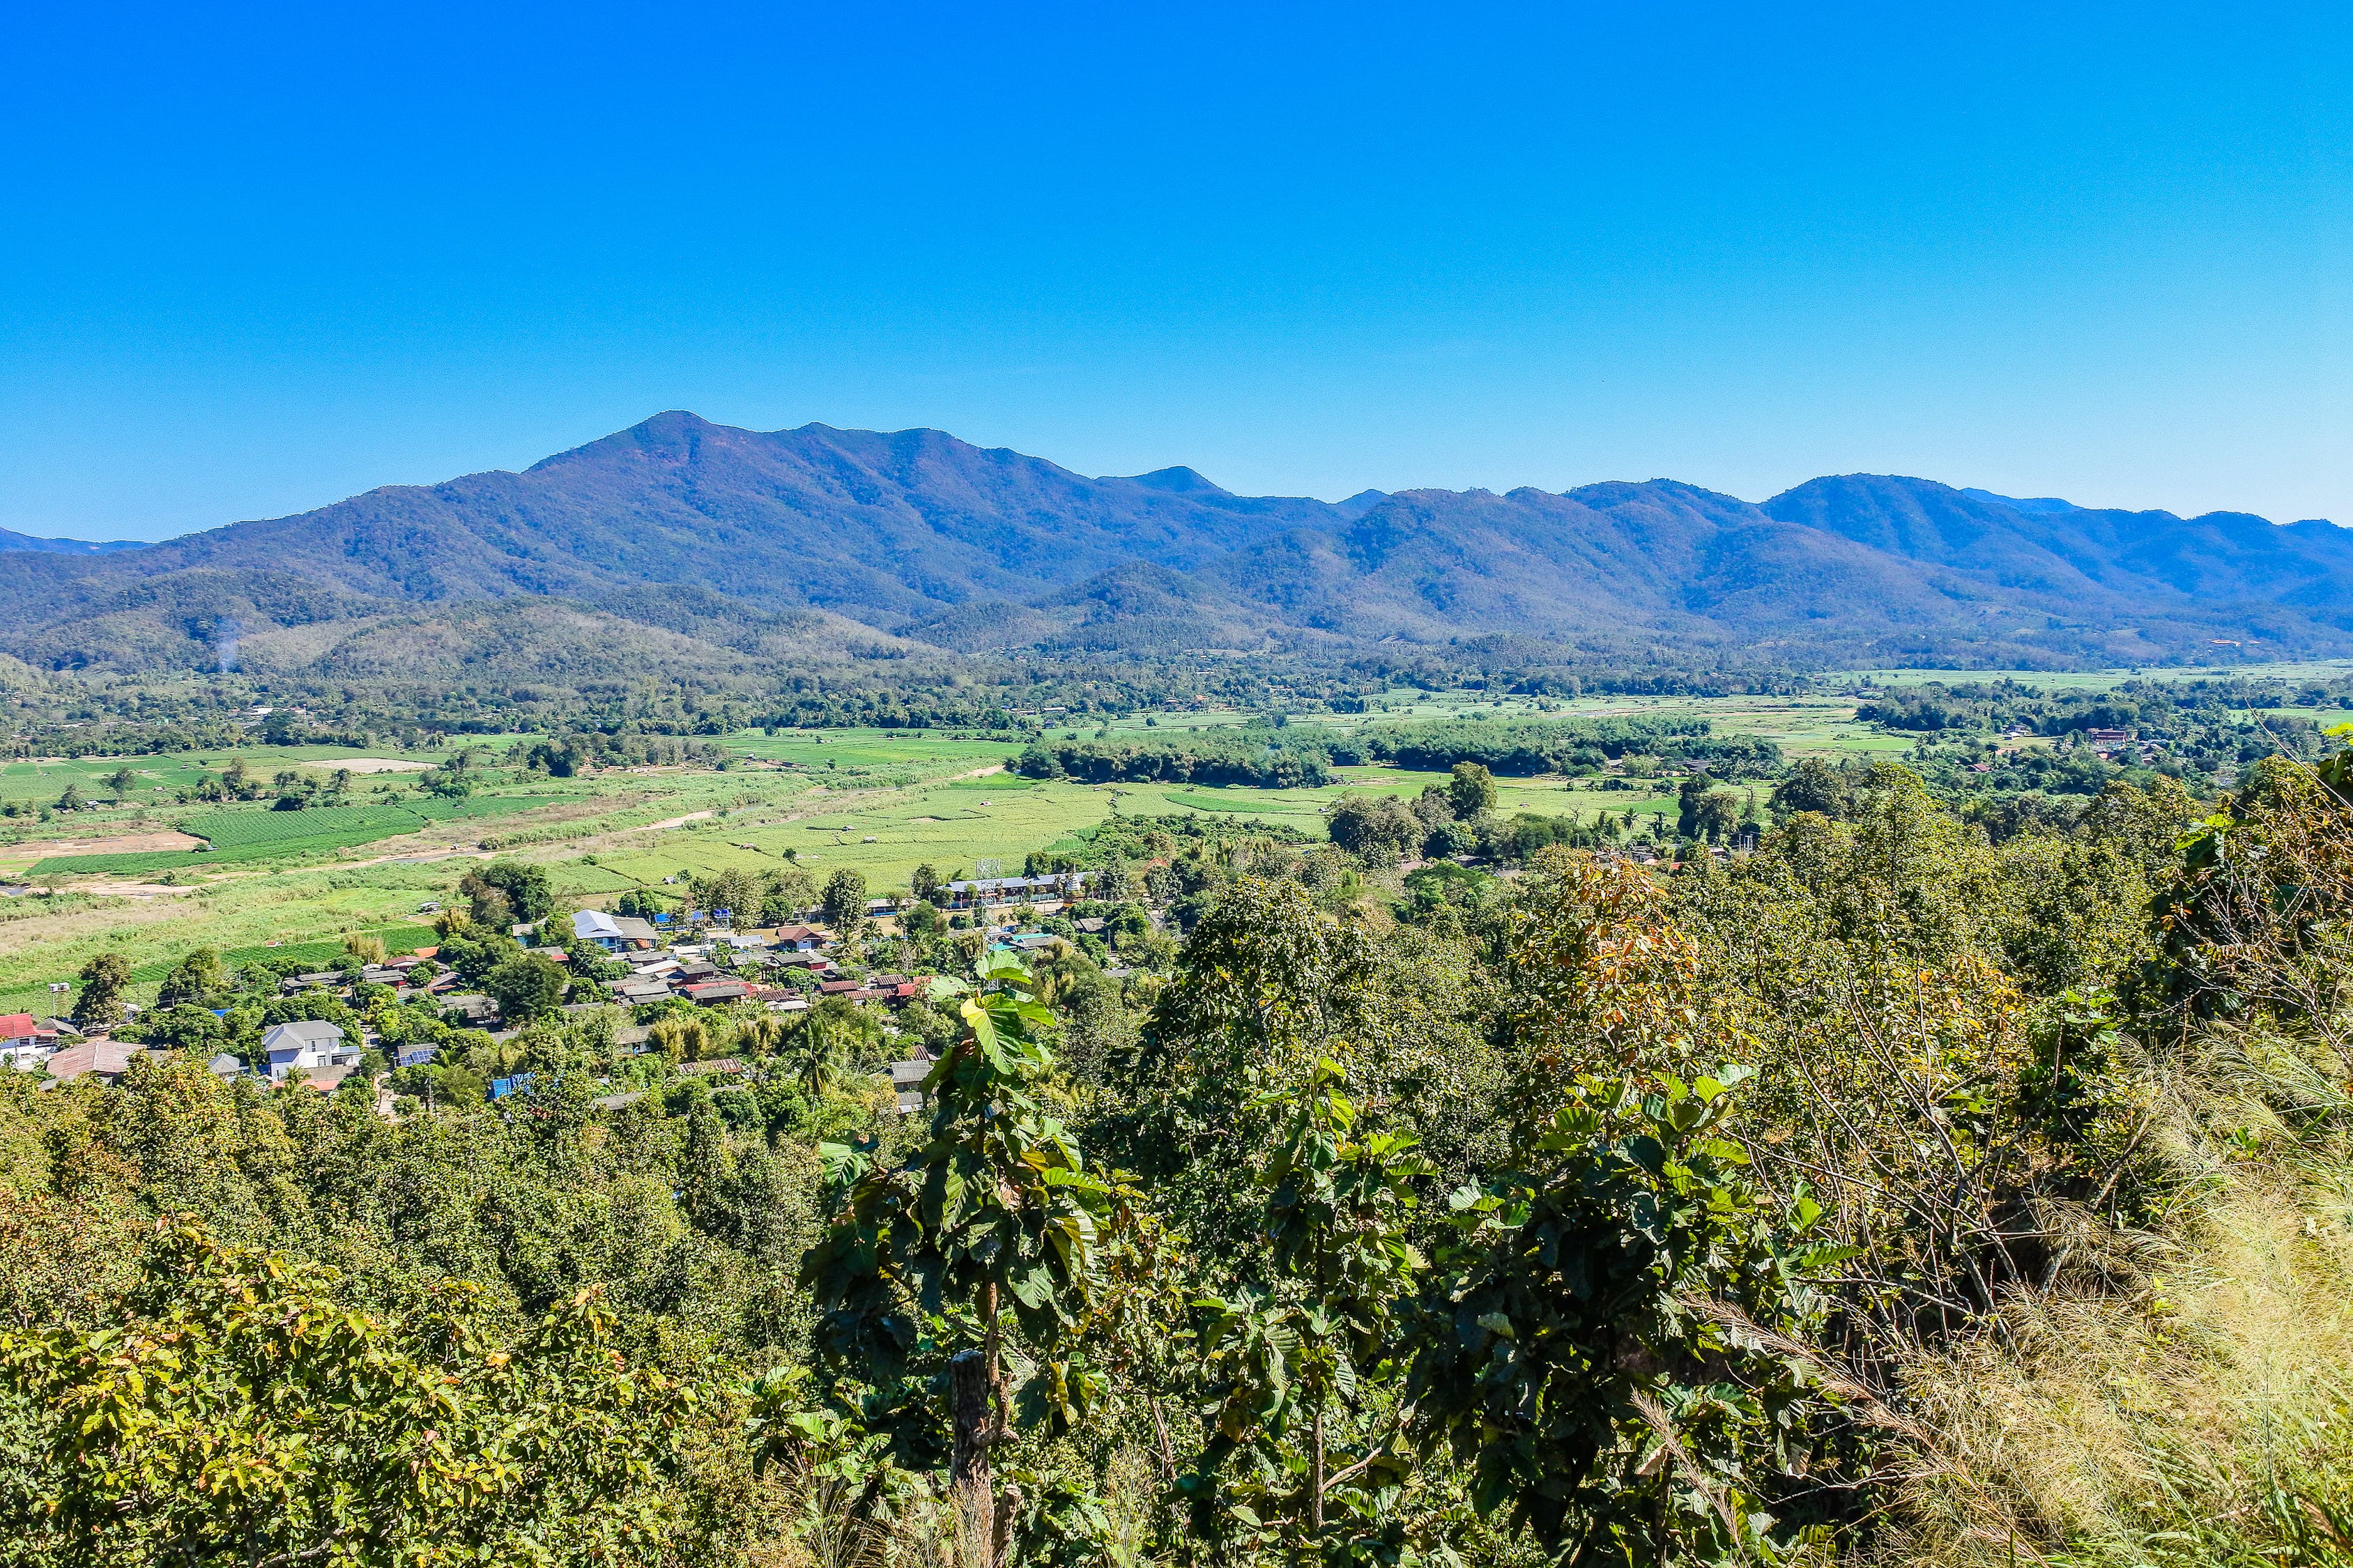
<point>306,1043</point>
<point>24,1043</point>
<point>993,890</point>
<point>907,1079</point>
<point>614,933</point>
<point>105,1061</point>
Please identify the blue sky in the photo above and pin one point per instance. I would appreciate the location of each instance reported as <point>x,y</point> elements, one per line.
<point>258,259</point>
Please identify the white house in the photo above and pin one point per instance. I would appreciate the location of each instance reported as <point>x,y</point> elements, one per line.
<point>25,1044</point>
<point>614,933</point>
<point>306,1044</point>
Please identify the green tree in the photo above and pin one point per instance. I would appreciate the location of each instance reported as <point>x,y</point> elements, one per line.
<point>845,902</point>
<point>1297,1375</point>
<point>996,1215</point>
<point>528,986</point>
<point>196,978</point>
<point>242,1407</point>
<point>98,1001</point>
<point>120,782</point>
<point>1470,791</point>
<point>787,897</point>
<point>820,1046</point>
<point>925,884</point>
<point>1813,785</point>
<point>71,800</point>
<point>1598,1359</point>
<point>524,887</point>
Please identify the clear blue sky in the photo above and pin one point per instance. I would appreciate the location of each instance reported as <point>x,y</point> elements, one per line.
<point>256,260</point>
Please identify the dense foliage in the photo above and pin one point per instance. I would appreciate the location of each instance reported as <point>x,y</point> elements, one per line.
<point>1713,1213</point>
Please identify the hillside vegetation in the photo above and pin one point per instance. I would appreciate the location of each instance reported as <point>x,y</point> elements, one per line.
<point>684,549</point>
<point>1899,1192</point>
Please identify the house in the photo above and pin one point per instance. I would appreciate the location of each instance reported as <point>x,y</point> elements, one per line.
<point>105,1061</point>
<point>307,1045</point>
<point>712,992</point>
<point>799,939</point>
<point>614,933</point>
<point>715,1065</point>
<point>2108,737</point>
<point>907,1079</point>
<point>414,1055</point>
<point>637,991</point>
<point>226,1067</point>
<point>838,987</point>
<point>24,1043</point>
<point>993,890</point>
<point>469,1011</point>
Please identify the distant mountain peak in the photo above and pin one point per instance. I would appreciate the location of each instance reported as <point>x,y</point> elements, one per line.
<point>11,540</point>
<point>1179,480</point>
<point>2039,505</point>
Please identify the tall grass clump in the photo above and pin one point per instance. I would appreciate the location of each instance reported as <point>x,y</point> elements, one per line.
<point>2175,1387</point>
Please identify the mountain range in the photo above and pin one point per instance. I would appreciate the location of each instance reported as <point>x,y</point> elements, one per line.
<point>679,544</point>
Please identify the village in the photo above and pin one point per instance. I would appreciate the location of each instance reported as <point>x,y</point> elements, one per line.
<point>694,959</point>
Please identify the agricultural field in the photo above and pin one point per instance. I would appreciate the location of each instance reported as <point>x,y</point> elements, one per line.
<point>41,780</point>
<point>1823,725</point>
<point>878,802</point>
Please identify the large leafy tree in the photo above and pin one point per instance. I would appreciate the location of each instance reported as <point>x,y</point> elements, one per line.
<point>992,1226</point>
<point>1298,1374</point>
<point>238,1407</point>
<point>1603,1359</point>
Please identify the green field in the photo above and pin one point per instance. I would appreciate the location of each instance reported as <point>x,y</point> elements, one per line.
<point>877,800</point>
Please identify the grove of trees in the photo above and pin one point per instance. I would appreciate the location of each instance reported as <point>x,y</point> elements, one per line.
<point>1900,1191</point>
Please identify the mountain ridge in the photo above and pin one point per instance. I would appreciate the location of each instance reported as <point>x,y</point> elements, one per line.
<point>933,543</point>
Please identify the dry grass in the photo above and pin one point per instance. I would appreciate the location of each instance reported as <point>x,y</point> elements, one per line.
<point>2202,1415</point>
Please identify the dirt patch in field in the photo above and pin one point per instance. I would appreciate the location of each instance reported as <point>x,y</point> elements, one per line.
<point>124,844</point>
<point>368,766</point>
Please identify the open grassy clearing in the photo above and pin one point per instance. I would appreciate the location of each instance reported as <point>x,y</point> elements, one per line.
<point>40,780</point>
<point>250,910</point>
<point>2108,679</point>
<point>880,802</point>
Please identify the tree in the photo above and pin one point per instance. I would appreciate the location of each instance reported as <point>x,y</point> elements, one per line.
<point>526,987</point>
<point>682,1037</point>
<point>1298,1375</point>
<point>1375,827</point>
<point>1470,791</point>
<point>1599,1358</point>
<point>99,1001</point>
<point>1704,812</point>
<point>818,1048</point>
<point>995,1214</point>
<point>786,897</point>
<point>1813,786</point>
<point>925,884</point>
<point>121,780</point>
<point>488,905</point>
<point>524,885</point>
<point>195,980</point>
<point>71,800</point>
<point>238,1406</point>
<point>845,902</point>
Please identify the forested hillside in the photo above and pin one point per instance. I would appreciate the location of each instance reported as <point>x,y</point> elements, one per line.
<point>678,543</point>
<point>1898,1192</point>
